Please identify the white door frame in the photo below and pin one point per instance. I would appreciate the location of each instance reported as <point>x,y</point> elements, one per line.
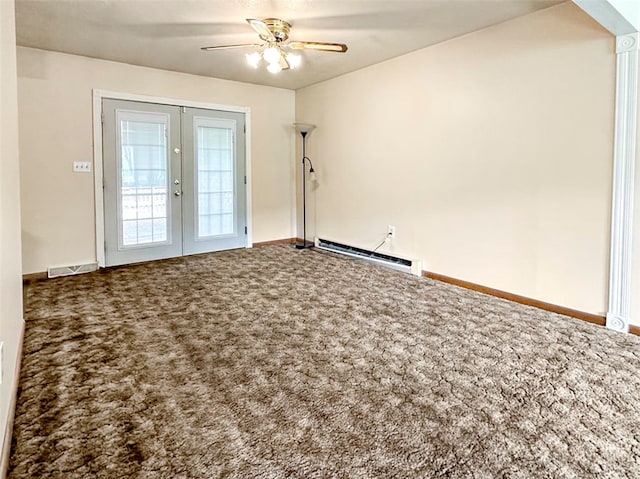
<point>98,95</point>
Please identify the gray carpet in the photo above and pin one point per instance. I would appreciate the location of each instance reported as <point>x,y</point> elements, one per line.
<point>279,363</point>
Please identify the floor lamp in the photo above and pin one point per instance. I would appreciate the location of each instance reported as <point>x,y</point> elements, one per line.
<point>304,129</point>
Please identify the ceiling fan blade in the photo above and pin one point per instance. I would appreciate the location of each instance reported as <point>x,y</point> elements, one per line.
<point>262,29</point>
<point>325,47</point>
<point>284,64</point>
<point>226,47</point>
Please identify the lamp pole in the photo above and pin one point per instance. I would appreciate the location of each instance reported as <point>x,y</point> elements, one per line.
<point>304,130</point>
<point>304,191</point>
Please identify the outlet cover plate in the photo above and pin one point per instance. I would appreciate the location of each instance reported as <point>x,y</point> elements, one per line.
<point>391,231</point>
<point>82,167</point>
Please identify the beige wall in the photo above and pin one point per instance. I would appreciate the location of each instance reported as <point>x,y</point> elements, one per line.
<point>490,153</point>
<point>11,323</point>
<point>55,104</point>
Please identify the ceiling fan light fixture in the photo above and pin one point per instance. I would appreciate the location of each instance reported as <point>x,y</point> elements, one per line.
<point>294,60</point>
<point>275,47</point>
<point>274,68</point>
<point>271,54</point>
<point>253,59</point>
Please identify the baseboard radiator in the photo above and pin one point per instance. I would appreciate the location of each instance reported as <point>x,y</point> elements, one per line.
<point>71,270</point>
<point>405,265</point>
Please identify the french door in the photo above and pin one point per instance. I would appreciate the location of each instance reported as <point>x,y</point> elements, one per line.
<point>174,181</point>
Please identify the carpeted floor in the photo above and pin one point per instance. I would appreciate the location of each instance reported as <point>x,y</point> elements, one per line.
<point>279,363</point>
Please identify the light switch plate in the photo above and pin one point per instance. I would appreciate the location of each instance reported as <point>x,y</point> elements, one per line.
<point>82,166</point>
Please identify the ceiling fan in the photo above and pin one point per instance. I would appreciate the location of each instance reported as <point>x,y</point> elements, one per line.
<point>275,49</point>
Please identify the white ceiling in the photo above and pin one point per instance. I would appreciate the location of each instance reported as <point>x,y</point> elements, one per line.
<point>168,34</point>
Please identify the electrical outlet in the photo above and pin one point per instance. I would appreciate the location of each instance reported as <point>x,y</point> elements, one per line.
<point>82,166</point>
<point>391,231</point>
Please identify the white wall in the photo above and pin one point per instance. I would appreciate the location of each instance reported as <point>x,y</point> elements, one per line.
<point>11,324</point>
<point>490,153</point>
<point>620,17</point>
<point>630,9</point>
<point>55,104</point>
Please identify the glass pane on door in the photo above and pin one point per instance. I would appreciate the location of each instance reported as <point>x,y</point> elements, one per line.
<point>144,180</point>
<point>213,172</point>
<point>215,180</point>
<point>142,192</point>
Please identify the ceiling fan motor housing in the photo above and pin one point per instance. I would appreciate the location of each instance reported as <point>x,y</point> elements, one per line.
<point>279,28</point>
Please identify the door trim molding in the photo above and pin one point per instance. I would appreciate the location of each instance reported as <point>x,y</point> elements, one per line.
<point>98,96</point>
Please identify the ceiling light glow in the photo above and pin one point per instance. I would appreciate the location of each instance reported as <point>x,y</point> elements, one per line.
<point>293,59</point>
<point>271,54</point>
<point>274,68</point>
<point>253,59</point>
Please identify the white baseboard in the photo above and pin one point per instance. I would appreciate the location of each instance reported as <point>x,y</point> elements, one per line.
<point>6,439</point>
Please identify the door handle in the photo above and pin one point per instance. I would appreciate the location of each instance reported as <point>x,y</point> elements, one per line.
<point>177,193</point>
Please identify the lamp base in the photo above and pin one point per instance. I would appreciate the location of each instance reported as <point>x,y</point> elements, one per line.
<point>304,245</point>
